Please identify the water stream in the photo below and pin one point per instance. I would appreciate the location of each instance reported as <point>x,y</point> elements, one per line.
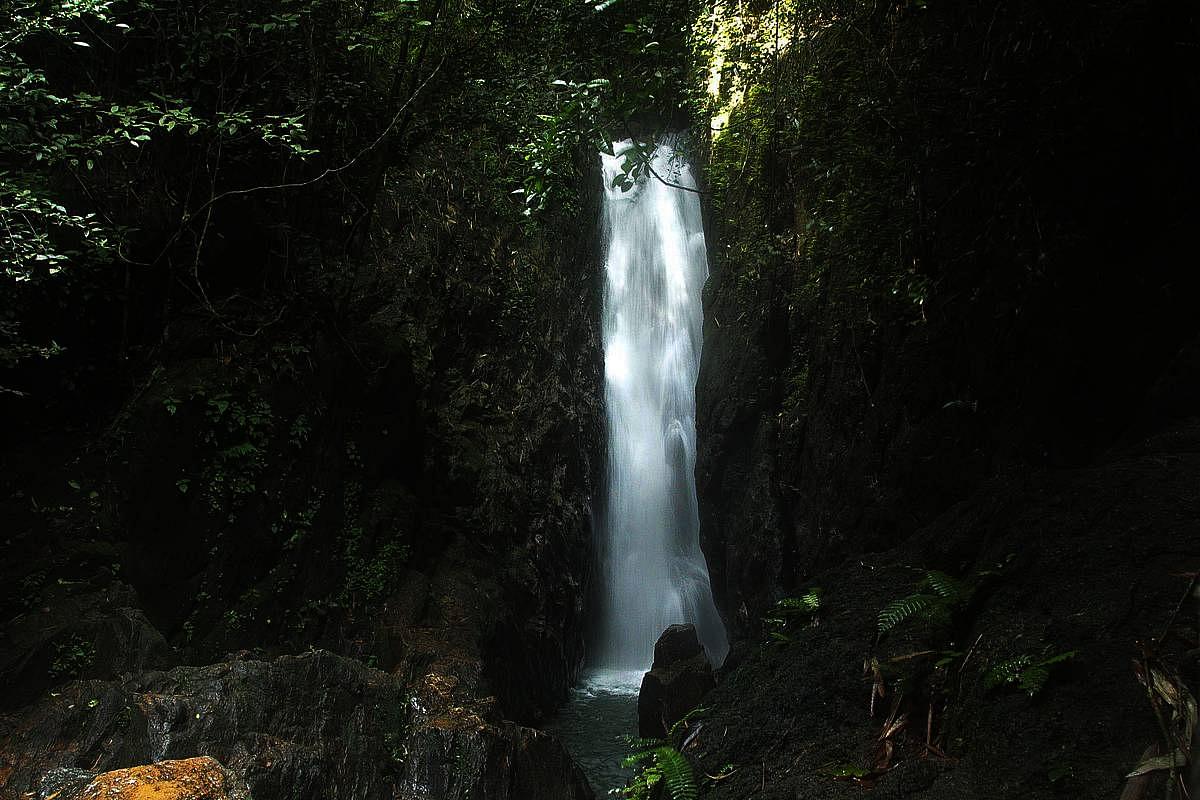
<point>653,573</point>
<point>601,711</point>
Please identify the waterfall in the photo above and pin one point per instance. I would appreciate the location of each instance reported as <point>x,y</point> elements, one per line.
<point>653,571</point>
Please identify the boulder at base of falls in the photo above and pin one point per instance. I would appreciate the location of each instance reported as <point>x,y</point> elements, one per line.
<point>676,682</point>
<point>200,778</point>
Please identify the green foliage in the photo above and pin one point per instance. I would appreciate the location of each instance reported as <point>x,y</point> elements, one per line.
<point>76,136</point>
<point>127,130</point>
<point>905,608</point>
<point>1027,671</point>
<point>298,525</point>
<point>238,433</point>
<point>843,769</point>
<point>790,612</point>
<point>551,146</point>
<point>807,603</point>
<point>597,94</point>
<point>72,658</point>
<point>235,173</point>
<point>676,773</point>
<point>372,566</point>
<point>659,763</point>
<point>938,595</point>
<point>947,588</point>
<point>371,575</point>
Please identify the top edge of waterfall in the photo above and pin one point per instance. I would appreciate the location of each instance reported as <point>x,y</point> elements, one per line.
<point>670,166</point>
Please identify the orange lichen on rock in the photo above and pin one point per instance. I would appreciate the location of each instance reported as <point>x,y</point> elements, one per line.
<point>201,778</point>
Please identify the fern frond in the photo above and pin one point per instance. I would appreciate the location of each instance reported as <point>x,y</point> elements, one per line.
<point>905,608</point>
<point>812,598</point>
<point>1058,659</point>
<point>1007,671</point>
<point>950,589</point>
<point>683,721</point>
<point>635,743</point>
<point>807,603</point>
<point>676,772</point>
<point>1034,678</point>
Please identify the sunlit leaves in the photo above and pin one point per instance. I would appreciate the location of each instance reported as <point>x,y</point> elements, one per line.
<point>642,73</point>
<point>41,235</point>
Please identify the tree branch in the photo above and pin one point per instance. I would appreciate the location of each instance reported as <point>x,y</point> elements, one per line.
<point>646,162</point>
<point>331,170</point>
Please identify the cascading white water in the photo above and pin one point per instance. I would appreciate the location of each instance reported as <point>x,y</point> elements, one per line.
<point>656,265</point>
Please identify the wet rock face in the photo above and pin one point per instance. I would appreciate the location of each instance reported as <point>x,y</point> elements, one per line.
<point>434,724</point>
<point>675,684</point>
<point>280,725</point>
<point>312,726</point>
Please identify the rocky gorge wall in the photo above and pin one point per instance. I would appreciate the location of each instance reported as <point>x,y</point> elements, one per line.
<point>331,556</point>
<point>945,331</point>
<point>879,344</point>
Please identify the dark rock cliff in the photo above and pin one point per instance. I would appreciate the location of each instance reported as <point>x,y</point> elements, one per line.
<point>405,486</point>
<point>850,393</point>
<point>948,328</point>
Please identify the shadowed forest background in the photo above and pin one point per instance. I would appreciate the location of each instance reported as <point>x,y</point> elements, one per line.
<point>302,392</point>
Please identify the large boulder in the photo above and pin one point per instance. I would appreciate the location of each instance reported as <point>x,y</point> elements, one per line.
<point>676,682</point>
<point>201,778</point>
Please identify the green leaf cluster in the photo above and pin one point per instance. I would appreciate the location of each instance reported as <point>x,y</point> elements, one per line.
<point>790,612</point>
<point>1027,671</point>
<point>660,764</point>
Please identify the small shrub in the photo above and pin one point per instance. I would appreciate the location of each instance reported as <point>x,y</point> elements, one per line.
<point>72,658</point>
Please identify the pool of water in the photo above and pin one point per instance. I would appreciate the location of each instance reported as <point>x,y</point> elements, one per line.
<point>601,710</point>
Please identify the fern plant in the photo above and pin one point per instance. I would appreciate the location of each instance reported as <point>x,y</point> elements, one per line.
<point>1027,671</point>
<point>791,610</point>
<point>938,595</point>
<point>658,762</point>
